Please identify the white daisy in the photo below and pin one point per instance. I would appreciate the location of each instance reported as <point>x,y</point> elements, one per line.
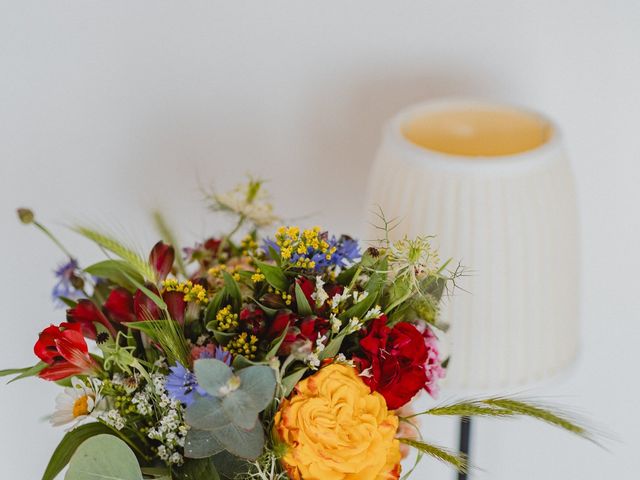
<point>78,402</point>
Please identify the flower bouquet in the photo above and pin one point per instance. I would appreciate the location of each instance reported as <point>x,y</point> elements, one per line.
<point>294,356</point>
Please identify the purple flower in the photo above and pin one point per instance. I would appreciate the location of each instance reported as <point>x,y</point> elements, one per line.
<point>182,384</point>
<point>68,276</point>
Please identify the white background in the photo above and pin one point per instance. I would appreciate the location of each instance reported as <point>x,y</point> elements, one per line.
<point>108,109</point>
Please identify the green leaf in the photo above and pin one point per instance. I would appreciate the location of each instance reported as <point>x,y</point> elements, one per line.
<point>359,309</point>
<point>304,308</point>
<point>240,408</point>
<point>271,312</point>
<point>103,457</point>
<point>117,271</point>
<point>242,443</point>
<point>206,413</point>
<point>333,348</point>
<point>289,382</point>
<point>157,473</point>
<point>456,460</point>
<point>240,362</point>
<point>201,444</point>
<point>346,276</point>
<point>212,374</point>
<point>233,290</point>
<point>277,343</point>
<point>135,261</point>
<point>151,295</point>
<point>259,382</point>
<point>68,302</point>
<point>69,444</point>
<point>197,469</point>
<point>214,306</point>
<point>273,275</point>
<point>23,372</point>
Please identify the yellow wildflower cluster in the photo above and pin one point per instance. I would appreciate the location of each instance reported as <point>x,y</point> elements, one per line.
<point>243,344</point>
<point>258,276</point>
<point>304,244</point>
<point>284,295</point>
<point>249,245</point>
<point>218,269</point>
<point>193,292</point>
<point>227,320</point>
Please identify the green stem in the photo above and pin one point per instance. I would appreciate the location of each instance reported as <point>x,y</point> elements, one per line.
<point>53,238</point>
<point>227,238</point>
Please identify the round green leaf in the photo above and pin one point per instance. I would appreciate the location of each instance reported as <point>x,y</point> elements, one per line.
<point>212,374</point>
<point>103,457</point>
<point>206,413</point>
<point>259,382</point>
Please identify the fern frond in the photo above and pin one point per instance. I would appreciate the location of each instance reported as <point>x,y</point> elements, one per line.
<point>125,253</point>
<point>454,459</point>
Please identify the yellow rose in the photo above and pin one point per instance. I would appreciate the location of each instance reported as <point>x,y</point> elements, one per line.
<point>334,428</point>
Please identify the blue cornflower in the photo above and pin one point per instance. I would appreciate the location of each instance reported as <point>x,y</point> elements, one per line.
<point>182,384</point>
<point>66,274</point>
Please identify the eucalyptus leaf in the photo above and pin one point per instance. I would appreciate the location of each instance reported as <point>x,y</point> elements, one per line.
<point>273,275</point>
<point>260,383</point>
<point>206,413</point>
<point>240,408</point>
<point>201,444</point>
<point>197,469</point>
<point>103,457</point>
<point>242,443</point>
<point>304,308</point>
<point>69,444</point>
<point>212,374</point>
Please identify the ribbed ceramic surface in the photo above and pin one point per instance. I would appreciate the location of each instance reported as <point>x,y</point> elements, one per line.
<point>512,222</point>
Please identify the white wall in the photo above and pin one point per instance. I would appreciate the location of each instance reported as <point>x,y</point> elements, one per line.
<point>110,108</point>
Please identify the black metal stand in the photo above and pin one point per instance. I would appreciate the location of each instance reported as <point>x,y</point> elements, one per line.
<point>465,441</point>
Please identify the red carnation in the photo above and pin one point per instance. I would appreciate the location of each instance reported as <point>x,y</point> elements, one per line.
<point>65,350</point>
<point>398,362</point>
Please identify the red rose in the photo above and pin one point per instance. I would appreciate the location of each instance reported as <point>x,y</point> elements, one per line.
<point>394,361</point>
<point>65,350</point>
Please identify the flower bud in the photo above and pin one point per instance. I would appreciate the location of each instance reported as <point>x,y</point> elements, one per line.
<point>25,215</point>
<point>161,259</point>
